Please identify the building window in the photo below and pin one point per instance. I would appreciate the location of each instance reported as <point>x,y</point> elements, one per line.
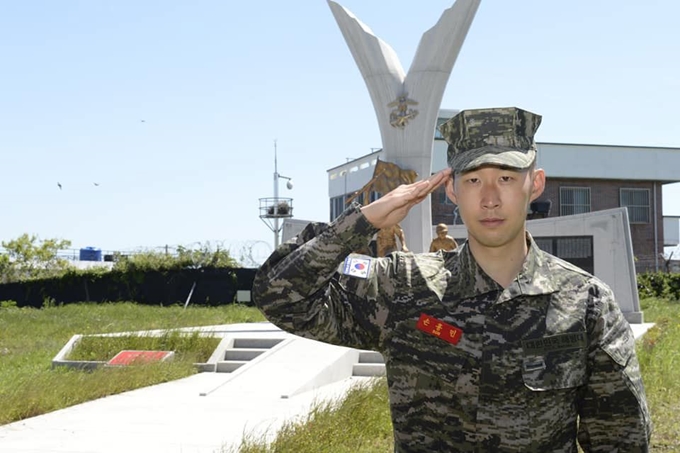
<point>337,206</point>
<point>357,199</point>
<point>574,200</point>
<point>437,134</point>
<point>577,250</point>
<point>637,202</point>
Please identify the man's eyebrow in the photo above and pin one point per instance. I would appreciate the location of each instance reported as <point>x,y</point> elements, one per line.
<point>500,167</point>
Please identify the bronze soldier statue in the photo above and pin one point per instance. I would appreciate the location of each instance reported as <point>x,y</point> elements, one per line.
<point>443,241</point>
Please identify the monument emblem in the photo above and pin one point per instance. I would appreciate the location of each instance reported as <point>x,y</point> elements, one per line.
<point>407,134</point>
<point>400,116</point>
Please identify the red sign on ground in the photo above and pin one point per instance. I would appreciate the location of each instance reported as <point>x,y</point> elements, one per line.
<point>130,357</point>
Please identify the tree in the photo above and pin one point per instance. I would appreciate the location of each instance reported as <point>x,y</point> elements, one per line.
<point>205,256</point>
<point>28,257</point>
<point>202,256</point>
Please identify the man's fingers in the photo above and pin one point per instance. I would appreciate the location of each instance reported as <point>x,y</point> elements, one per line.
<point>423,188</point>
<point>416,192</point>
<point>394,206</point>
<point>427,186</point>
<point>440,177</point>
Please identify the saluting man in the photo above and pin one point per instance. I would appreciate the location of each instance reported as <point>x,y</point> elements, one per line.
<point>496,346</point>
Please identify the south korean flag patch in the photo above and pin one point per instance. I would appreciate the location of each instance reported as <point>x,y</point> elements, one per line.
<point>357,266</point>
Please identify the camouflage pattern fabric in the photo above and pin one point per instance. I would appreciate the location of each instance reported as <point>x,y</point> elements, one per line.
<point>493,136</point>
<point>529,360</point>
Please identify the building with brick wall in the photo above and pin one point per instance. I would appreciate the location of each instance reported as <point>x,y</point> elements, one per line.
<point>581,178</point>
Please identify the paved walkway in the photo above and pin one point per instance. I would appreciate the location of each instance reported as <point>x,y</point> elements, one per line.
<point>204,413</point>
<point>170,417</point>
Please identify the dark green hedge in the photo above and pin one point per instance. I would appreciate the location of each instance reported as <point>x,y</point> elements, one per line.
<point>659,284</point>
<point>213,286</point>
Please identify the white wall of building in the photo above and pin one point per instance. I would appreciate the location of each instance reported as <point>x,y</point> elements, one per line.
<point>291,228</point>
<point>567,160</point>
<point>352,176</point>
<point>609,162</point>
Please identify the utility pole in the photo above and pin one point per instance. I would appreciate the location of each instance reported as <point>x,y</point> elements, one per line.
<point>276,208</point>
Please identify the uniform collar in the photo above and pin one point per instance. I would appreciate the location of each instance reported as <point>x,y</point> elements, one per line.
<point>473,280</point>
<point>533,278</point>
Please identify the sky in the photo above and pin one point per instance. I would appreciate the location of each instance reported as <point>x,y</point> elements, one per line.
<point>159,118</point>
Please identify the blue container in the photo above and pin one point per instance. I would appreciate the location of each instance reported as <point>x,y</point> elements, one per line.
<point>90,254</point>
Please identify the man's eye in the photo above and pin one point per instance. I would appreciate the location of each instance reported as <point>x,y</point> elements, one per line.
<point>472,180</point>
<point>506,178</point>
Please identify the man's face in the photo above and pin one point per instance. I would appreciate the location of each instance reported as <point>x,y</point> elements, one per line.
<point>493,202</point>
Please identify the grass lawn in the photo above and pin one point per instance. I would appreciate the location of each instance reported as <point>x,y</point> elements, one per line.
<point>30,338</point>
<point>659,354</point>
<point>191,347</point>
<point>360,423</point>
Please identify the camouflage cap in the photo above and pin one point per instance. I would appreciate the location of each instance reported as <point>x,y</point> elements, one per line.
<point>496,136</point>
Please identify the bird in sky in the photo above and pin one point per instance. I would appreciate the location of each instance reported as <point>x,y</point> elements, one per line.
<point>96,184</point>
<point>59,184</point>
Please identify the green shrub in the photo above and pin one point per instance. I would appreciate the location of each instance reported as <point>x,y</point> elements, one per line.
<point>28,257</point>
<point>659,284</point>
<point>201,257</point>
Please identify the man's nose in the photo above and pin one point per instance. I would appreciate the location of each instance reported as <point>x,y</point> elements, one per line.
<point>490,197</point>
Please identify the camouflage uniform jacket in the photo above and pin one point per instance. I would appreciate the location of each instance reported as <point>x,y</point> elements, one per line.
<point>528,362</point>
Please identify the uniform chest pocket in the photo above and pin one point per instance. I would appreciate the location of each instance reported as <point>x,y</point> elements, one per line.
<point>434,362</point>
<point>442,365</point>
<point>554,370</point>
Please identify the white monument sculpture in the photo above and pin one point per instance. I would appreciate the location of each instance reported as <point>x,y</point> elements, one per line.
<point>407,104</point>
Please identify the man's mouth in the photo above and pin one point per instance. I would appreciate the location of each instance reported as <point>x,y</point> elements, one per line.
<point>491,221</point>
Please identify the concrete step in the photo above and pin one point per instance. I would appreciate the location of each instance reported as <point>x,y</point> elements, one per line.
<point>227,366</point>
<point>368,369</point>
<point>255,343</point>
<point>243,353</point>
<point>371,357</point>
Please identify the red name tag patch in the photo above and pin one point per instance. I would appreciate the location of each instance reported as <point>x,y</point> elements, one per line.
<point>439,329</point>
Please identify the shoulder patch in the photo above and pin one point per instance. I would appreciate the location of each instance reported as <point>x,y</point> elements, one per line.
<point>356,266</point>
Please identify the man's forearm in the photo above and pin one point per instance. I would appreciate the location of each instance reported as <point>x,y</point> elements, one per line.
<point>297,270</point>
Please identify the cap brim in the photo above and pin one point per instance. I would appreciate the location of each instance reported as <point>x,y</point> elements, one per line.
<point>512,158</point>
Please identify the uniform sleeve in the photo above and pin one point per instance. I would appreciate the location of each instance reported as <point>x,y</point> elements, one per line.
<point>300,290</point>
<point>613,411</point>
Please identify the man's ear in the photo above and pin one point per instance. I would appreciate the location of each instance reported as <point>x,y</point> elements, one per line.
<point>537,183</point>
<point>449,190</point>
